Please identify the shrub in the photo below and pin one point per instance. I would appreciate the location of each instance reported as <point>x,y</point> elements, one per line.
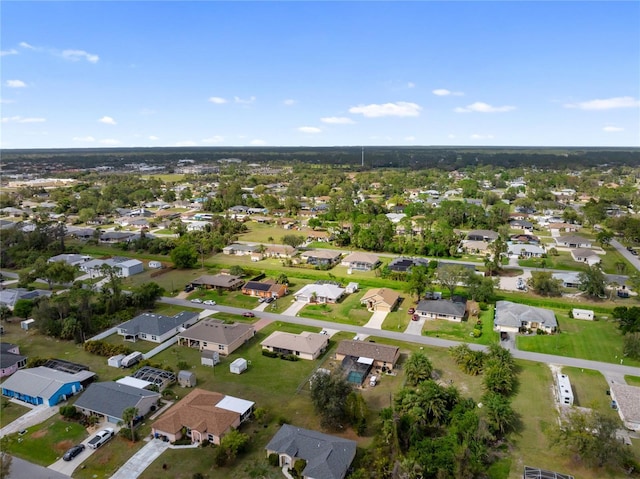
<point>299,466</point>
<point>129,434</point>
<point>274,460</point>
<point>289,357</point>
<point>102,348</point>
<point>282,420</point>
<point>269,354</point>
<point>477,333</point>
<point>483,306</point>
<point>183,365</point>
<point>68,412</point>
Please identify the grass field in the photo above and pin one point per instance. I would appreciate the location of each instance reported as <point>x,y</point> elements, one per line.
<point>632,380</point>
<point>10,411</point>
<point>594,340</point>
<point>349,311</point>
<point>589,389</point>
<point>463,331</point>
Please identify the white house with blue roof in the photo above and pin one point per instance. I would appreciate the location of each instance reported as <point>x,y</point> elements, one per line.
<point>156,328</point>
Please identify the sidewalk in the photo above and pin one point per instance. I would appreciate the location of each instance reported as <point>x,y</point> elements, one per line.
<point>141,460</point>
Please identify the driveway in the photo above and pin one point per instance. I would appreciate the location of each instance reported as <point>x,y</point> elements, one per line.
<point>415,327</point>
<point>508,283</point>
<point>141,460</point>
<point>37,415</point>
<point>295,308</point>
<point>377,318</point>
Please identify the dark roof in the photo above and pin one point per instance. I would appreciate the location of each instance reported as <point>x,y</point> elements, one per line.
<point>8,358</point>
<point>65,366</point>
<point>257,286</point>
<point>365,349</point>
<point>116,235</point>
<point>404,264</point>
<point>442,306</point>
<point>155,324</point>
<point>111,399</point>
<point>328,457</point>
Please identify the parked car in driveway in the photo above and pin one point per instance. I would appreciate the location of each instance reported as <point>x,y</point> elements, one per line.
<point>73,452</point>
<point>411,310</point>
<point>415,317</point>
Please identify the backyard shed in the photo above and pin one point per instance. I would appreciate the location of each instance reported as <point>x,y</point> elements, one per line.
<point>115,361</point>
<point>27,324</point>
<point>155,264</point>
<point>582,314</point>
<point>238,366</point>
<point>209,358</point>
<point>186,379</point>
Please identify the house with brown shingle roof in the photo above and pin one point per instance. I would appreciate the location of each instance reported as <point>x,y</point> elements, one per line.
<point>215,335</point>
<point>218,281</point>
<point>380,299</point>
<point>383,356</point>
<point>305,345</point>
<point>204,415</point>
<point>361,261</point>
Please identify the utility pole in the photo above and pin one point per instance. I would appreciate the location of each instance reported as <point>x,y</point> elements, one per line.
<point>363,156</point>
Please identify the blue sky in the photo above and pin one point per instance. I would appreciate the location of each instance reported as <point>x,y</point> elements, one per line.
<point>104,74</point>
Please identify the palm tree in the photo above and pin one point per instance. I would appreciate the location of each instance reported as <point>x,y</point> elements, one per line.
<point>128,416</point>
<point>418,368</point>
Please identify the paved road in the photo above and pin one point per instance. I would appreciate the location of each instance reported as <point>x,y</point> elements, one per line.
<point>604,368</point>
<point>628,256</point>
<point>21,469</point>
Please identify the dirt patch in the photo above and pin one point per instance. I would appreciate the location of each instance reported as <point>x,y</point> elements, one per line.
<point>39,434</point>
<point>62,446</point>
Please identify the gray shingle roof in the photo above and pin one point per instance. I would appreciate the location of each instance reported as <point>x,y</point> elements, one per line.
<point>155,324</point>
<point>514,314</point>
<point>42,382</point>
<point>441,306</point>
<point>328,457</point>
<point>111,398</point>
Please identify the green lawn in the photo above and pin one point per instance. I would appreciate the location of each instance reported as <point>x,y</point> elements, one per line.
<point>10,411</point>
<point>348,311</point>
<point>142,346</point>
<point>45,443</point>
<point>594,340</point>
<point>589,389</point>
<point>172,280</point>
<point>463,331</point>
<point>261,232</point>
<point>632,380</point>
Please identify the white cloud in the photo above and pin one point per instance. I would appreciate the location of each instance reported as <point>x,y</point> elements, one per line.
<point>476,136</point>
<point>213,140</point>
<point>257,142</point>
<point>606,104</point>
<point>409,138</point>
<point>5,101</point>
<point>243,101</point>
<point>77,55</point>
<point>411,85</point>
<point>153,138</point>
<point>109,141</point>
<point>84,139</point>
<point>19,119</point>
<point>107,120</point>
<point>289,102</point>
<point>27,46</point>
<point>13,51</point>
<point>445,92</point>
<point>400,108</point>
<point>186,143</point>
<point>337,120</point>
<point>612,129</point>
<point>15,84</point>
<point>217,100</point>
<point>309,129</point>
<point>481,107</point>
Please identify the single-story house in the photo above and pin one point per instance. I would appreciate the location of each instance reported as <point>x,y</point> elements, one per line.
<point>280,251</point>
<point>563,228</point>
<point>70,259</point>
<point>10,296</point>
<point>10,359</point>
<point>44,385</point>
<point>482,235</point>
<point>327,457</point>
<point>361,261</point>
<point>525,250</point>
<point>628,400</point>
<point>570,279</point>
<point>573,241</point>
<point>476,247</point>
<point>305,345</point>
<point>265,289</point>
<point>582,314</point>
<point>382,356</point>
<point>218,281</point>
<point>404,265</point>
<point>524,225</point>
<point>380,299</point>
<point>319,293</point>
<point>525,238</point>
<point>322,236</point>
<point>156,328</point>
<point>215,335</point>
<point>109,400</point>
<point>441,309</point>
<point>321,257</point>
<point>514,318</point>
<point>583,255</point>
<point>125,267</point>
<point>116,236</point>
<point>203,415</point>
<point>239,249</point>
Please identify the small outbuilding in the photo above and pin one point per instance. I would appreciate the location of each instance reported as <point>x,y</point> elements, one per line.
<point>209,358</point>
<point>186,379</point>
<point>238,366</point>
<point>155,264</point>
<point>582,314</point>
<point>27,324</point>
<point>115,361</point>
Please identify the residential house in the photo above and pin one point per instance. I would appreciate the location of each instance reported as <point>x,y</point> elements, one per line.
<point>110,399</point>
<point>476,247</point>
<point>280,251</point>
<point>524,225</point>
<point>265,289</point>
<point>574,241</point>
<point>322,257</point>
<point>523,250</point>
<point>569,279</point>
<point>239,249</point>
<point>70,259</point>
<point>115,236</point>
<point>221,281</point>
<point>305,345</point>
<point>124,267</point>
<point>383,356</point>
<point>482,235</point>
<point>442,309</point>
<point>514,318</point>
<point>319,293</point>
<point>321,236</point>
<point>583,255</point>
<point>203,416</point>
<point>44,385</point>
<point>381,299</point>
<point>156,328</point>
<point>10,296</point>
<point>327,457</point>
<point>525,238</point>
<point>10,359</point>
<point>361,261</point>
<point>627,399</point>
<point>404,265</point>
<point>215,335</point>
<point>563,228</point>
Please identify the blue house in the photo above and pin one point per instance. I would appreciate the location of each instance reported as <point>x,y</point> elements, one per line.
<point>43,385</point>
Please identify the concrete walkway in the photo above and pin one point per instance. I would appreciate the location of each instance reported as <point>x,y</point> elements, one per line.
<point>141,460</point>
<point>37,415</point>
<point>376,320</point>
